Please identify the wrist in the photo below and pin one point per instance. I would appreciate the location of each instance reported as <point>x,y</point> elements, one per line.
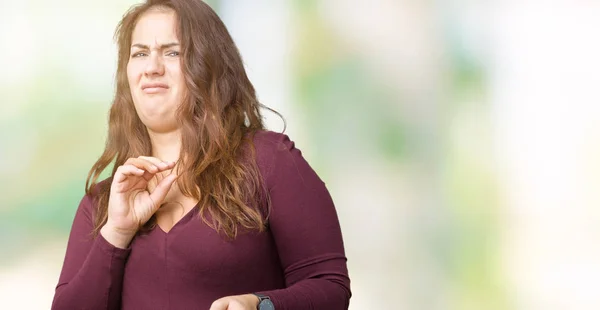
<point>255,300</point>
<point>117,238</point>
<point>264,302</point>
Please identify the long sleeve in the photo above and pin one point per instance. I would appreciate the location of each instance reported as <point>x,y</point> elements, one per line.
<point>306,230</point>
<point>92,273</point>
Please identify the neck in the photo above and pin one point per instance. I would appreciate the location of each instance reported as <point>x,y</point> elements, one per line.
<point>166,145</point>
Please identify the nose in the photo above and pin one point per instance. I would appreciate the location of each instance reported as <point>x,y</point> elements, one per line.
<point>155,65</point>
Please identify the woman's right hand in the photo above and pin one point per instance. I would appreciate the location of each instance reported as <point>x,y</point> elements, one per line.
<point>131,204</point>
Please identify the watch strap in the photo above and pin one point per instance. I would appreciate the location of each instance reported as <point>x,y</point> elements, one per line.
<point>264,302</point>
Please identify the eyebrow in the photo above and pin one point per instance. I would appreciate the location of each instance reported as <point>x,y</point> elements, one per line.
<point>162,46</point>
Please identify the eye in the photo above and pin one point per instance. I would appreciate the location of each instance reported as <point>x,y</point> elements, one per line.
<point>138,54</point>
<point>173,53</point>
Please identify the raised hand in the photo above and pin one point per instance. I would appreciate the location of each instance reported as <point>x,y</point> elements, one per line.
<point>238,302</point>
<point>132,202</point>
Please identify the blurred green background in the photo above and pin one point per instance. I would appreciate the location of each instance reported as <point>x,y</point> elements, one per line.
<point>460,139</point>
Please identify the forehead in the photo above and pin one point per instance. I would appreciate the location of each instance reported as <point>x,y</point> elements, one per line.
<point>155,25</point>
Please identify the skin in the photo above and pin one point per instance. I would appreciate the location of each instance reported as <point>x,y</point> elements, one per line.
<point>141,184</point>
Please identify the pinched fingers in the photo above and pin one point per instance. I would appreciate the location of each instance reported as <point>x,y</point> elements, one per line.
<point>162,165</point>
<point>163,168</point>
<point>160,192</point>
<point>143,169</point>
<point>142,164</point>
<point>125,171</point>
<point>152,165</point>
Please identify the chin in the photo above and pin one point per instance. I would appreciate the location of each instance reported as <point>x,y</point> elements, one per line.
<point>161,126</point>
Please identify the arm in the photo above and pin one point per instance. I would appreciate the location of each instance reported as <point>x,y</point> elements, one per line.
<point>307,233</point>
<point>92,273</point>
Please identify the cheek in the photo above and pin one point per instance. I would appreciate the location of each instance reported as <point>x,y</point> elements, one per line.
<point>181,85</point>
<point>176,74</point>
<point>129,77</point>
<point>133,73</point>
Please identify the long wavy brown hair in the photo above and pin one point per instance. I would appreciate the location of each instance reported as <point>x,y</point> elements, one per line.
<point>218,117</point>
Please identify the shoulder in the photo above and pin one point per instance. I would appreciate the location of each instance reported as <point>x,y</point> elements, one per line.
<point>278,157</point>
<point>271,146</point>
<point>89,201</point>
<point>99,187</point>
<point>266,142</point>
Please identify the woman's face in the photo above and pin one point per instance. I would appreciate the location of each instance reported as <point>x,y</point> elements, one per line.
<point>154,70</point>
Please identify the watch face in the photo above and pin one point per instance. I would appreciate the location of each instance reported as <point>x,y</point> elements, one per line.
<point>266,304</point>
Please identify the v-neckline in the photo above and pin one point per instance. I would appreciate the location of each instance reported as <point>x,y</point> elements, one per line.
<point>181,221</point>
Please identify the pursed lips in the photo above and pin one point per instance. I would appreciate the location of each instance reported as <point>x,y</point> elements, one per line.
<point>154,88</point>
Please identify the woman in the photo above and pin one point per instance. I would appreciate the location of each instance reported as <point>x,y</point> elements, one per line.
<point>204,208</point>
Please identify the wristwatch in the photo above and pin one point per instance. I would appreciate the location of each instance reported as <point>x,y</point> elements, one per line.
<point>264,303</point>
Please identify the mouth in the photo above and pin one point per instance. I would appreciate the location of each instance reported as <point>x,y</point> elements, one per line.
<point>154,88</point>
